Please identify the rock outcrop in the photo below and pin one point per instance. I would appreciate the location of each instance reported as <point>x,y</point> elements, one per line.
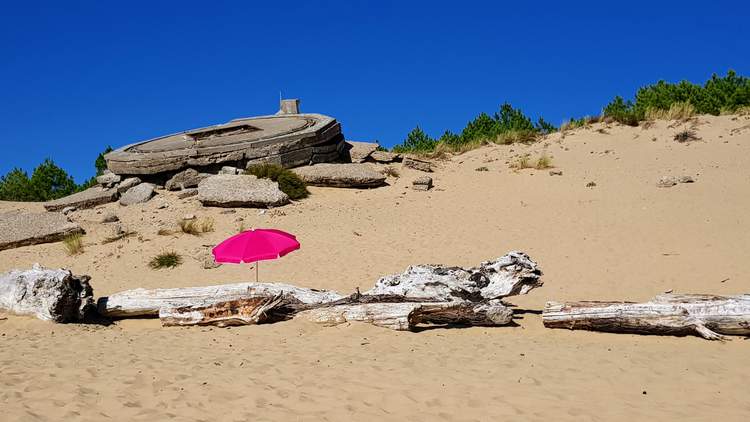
<point>89,198</point>
<point>416,164</point>
<point>127,184</point>
<point>288,139</point>
<point>188,178</point>
<point>137,194</point>
<point>360,151</point>
<point>385,157</point>
<point>226,190</point>
<point>341,175</point>
<point>20,228</point>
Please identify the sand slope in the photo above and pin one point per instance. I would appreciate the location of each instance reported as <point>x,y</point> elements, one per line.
<point>625,238</point>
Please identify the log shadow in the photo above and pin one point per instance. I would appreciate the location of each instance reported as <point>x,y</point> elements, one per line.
<point>424,328</point>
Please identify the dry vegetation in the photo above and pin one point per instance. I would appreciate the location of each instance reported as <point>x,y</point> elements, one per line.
<point>682,110</point>
<point>73,244</point>
<point>194,227</point>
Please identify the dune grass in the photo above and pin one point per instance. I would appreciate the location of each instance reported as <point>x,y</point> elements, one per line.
<point>543,162</point>
<point>681,110</point>
<point>168,259</point>
<point>73,244</point>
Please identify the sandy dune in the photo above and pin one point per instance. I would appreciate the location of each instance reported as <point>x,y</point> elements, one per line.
<point>625,238</point>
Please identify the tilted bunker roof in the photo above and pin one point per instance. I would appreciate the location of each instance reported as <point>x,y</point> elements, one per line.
<point>287,139</point>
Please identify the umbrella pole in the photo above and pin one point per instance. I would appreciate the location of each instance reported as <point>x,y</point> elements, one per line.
<point>256,271</point>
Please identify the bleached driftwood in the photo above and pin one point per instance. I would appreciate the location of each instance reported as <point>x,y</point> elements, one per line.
<point>708,316</point>
<point>424,294</point>
<point>248,311</point>
<point>407,315</point>
<point>395,312</point>
<point>49,294</point>
<point>512,274</point>
<point>142,302</point>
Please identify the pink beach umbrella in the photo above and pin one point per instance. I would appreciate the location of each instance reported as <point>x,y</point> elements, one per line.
<point>255,245</point>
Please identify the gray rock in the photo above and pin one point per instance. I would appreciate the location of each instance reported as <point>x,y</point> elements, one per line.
<point>188,217</point>
<point>225,190</point>
<point>360,151</point>
<point>229,170</point>
<point>341,175</point>
<point>188,178</point>
<point>686,179</point>
<point>68,210</point>
<point>187,193</point>
<point>21,228</point>
<point>416,164</point>
<point>137,194</point>
<point>385,157</point>
<point>555,173</point>
<point>89,198</point>
<point>127,184</point>
<point>108,179</point>
<point>110,218</point>
<point>422,183</point>
<point>667,182</point>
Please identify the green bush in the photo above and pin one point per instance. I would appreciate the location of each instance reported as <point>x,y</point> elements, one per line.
<point>719,94</point>
<point>622,111</point>
<point>288,181</point>
<point>47,182</point>
<point>416,141</point>
<point>506,126</point>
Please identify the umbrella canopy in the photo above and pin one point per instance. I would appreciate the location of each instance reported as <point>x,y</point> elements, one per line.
<point>255,245</point>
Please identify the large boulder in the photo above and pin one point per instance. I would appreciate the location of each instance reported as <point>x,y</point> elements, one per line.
<point>20,228</point>
<point>360,151</point>
<point>137,194</point>
<point>188,178</point>
<point>127,184</point>
<point>89,198</point>
<point>385,157</point>
<point>226,190</point>
<point>416,164</point>
<point>108,179</point>
<point>341,175</point>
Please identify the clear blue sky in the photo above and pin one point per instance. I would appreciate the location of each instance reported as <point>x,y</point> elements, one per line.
<point>77,76</point>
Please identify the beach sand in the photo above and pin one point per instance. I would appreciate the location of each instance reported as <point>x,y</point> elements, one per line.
<point>623,239</point>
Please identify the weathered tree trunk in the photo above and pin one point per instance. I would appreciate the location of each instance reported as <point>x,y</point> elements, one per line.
<point>708,316</point>
<point>142,302</point>
<point>395,312</point>
<point>407,315</point>
<point>50,295</point>
<point>249,311</point>
<point>512,274</point>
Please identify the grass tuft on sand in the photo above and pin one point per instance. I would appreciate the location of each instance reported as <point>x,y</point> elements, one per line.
<point>73,244</point>
<point>168,259</point>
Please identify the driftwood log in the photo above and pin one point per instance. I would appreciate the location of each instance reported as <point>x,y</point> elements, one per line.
<point>49,294</point>
<point>143,302</point>
<point>707,316</point>
<point>395,312</point>
<point>408,315</point>
<point>423,294</point>
<point>511,274</point>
